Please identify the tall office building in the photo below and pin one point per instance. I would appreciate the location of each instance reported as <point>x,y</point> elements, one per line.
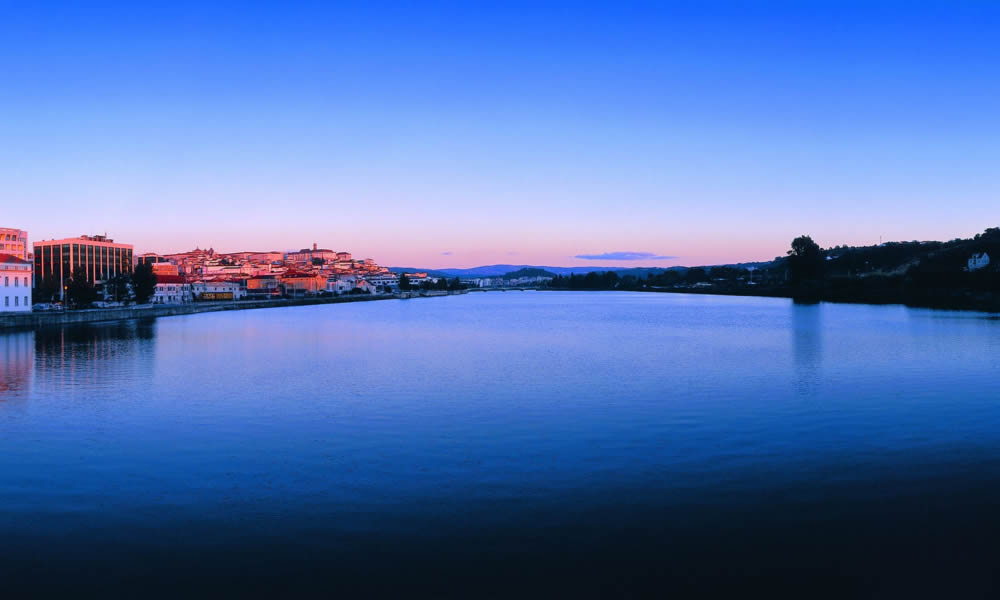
<point>100,257</point>
<point>14,242</point>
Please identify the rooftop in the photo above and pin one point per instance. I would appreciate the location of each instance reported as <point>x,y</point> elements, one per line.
<point>9,259</point>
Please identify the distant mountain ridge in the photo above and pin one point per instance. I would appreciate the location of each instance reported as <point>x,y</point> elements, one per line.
<point>502,270</point>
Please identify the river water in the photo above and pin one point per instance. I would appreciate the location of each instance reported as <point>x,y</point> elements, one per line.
<point>519,443</point>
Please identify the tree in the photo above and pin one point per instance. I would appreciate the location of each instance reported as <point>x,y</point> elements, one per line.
<point>144,283</point>
<point>456,284</point>
<point>47,289</point>
<point>404,282</point>
<point>119,288</point>
<point>442,284</point>
<point>80,291</point>
<point>696,275</point>
<point>805,259</point>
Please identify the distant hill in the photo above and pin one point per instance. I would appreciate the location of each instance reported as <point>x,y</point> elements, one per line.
<point>502,270</point>
<point>528,272</point>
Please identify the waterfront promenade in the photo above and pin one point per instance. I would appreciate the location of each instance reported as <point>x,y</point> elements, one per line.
<point>40,319</point>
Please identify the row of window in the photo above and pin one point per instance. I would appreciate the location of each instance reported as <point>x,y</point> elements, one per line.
<point>17,300</point>
<point>17,282</point>
<point>9,237</point>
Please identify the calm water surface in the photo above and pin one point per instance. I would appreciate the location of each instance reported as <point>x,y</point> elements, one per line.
<point>497,444</point>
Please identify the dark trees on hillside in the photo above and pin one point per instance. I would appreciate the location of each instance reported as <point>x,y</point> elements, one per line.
<point>805,259</point>
<point>696,275</point>
<point>404,282</point>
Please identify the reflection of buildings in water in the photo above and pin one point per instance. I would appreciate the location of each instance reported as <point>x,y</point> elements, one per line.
<point>16,360</point>
<point>93,352</point>
<point>807,344</point>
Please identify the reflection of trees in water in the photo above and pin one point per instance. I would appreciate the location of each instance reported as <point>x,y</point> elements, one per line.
<point>16,360</point>
<point>82,350</point>
<point>807,344</point>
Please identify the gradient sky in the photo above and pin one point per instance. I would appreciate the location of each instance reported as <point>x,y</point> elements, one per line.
<point>461,134</point>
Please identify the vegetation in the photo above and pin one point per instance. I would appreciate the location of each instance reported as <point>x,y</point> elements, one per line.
<point>528,272</point>
<point>80,293</point>
<point>119,288</point>
<point>404,282</point>
<point>46,289</point>
<point>915,273</point>
<point>143,283</point>
<point>805,259</point>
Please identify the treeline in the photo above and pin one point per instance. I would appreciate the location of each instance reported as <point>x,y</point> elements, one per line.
<point>610,280</point>
<point>138,286</point>
<point>442,284</point>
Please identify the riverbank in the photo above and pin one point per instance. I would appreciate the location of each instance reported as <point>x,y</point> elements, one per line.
<point>943,299</point>
<point>38,319</point>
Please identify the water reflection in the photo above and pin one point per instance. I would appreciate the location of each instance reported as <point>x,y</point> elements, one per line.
<point>807,345</point>
<point>92,353</point>
<point>16,359</point>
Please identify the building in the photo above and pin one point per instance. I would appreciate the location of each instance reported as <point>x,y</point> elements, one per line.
<point>303,284</point>
<point>152,258</point>
<point>341,284</point>
<point>264,286</point>
<point>15,284</point>
<point>172,289</point>
<point>164,268</point>
<point>306,255</point>
<point>99,256</point>
<point>217,290</point>
<point>14,242</point>
<point>978,261</point>
<point>384,282</point>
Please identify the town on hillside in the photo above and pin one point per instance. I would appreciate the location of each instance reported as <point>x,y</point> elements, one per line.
<point>96,271</point>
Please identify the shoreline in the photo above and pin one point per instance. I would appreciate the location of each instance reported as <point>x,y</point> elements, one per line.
<point>966,300</point>
<point>44,319</point>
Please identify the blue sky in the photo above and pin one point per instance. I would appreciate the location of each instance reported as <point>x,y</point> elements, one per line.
<point>459,134</point>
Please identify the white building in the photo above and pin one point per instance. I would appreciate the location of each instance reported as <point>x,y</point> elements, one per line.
<point>978,261</point>
<point>384,281</point>
<point>341,284</point>
<point>171,289</point>
<point>15,284</point>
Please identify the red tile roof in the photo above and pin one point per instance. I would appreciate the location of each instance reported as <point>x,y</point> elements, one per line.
<point>7,258</point>
<point>170,279</point>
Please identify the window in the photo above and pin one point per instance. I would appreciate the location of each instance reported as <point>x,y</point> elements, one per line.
<point>6,300</point>
<point>6,281</point>
<point>25,282</point>
<point>16,300</point>
<point>17,282</point>
<point>26,301</point>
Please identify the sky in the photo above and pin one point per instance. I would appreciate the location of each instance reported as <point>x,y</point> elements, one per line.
<point>468,133</point>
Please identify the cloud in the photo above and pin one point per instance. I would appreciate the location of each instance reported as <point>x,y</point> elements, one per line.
<point>448,253</point>
<point>624,256</point>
